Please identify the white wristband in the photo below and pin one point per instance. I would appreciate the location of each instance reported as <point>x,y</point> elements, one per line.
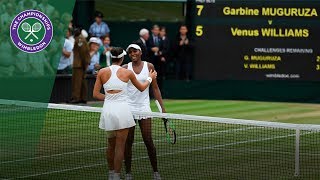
<point>149,79</point>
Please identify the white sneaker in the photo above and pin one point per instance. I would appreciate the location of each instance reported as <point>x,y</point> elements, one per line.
<point>156,176</point>
<point>129,177</point>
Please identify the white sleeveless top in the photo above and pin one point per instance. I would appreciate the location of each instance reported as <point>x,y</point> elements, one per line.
<point>116,112</point>
<point>139,101</point>
<point>114,83</point>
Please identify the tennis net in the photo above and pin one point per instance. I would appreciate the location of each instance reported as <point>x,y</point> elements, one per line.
<point>68,144</point>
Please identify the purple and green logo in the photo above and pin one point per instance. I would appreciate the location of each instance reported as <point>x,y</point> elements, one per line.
<point>31,31</point>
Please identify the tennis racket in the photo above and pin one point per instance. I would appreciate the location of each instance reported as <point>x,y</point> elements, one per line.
<point>169,127</point>
<point>36,27</point>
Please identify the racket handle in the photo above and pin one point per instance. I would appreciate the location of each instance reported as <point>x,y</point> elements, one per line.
<point>158,105</point>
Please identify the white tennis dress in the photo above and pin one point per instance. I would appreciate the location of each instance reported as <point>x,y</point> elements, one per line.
<point>116,113</point>
<point>139,101</point>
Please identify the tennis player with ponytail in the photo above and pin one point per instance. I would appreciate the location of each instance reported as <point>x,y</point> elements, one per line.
<point>116,117</point>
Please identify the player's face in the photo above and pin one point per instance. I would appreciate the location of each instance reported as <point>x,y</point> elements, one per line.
<point>183,30</point>
<point>134,54</point>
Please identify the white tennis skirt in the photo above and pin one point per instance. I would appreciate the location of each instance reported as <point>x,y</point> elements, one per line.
<point>140,108</point>
<point>116,115</point>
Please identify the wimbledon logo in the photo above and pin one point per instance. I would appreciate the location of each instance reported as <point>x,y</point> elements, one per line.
<point>31,31</point>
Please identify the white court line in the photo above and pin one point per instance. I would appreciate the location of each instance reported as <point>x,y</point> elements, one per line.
<point>264,151</point>
<point>103,148</point>
<point>165,154</point>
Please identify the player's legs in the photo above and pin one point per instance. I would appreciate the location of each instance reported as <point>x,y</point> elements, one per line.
<point>145,127</point>
<point>128,150</point>
<point>121,137</point>
<point>110,153</point>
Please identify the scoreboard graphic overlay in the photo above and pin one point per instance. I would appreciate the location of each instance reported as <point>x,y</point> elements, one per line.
<point>257,40</point>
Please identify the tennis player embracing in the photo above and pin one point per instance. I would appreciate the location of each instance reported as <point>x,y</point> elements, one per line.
<point>116,117</point>
<point>140,102</point>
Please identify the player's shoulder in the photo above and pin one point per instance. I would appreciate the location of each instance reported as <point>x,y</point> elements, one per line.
<point>125,70</point>
<point>150,65</point>
<point>104,70</point>
<point>125,66</point>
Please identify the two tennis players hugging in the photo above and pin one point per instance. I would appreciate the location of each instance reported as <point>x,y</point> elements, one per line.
<point>126,90</point>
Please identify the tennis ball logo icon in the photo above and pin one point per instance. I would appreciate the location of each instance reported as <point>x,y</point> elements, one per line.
<point>31,31</point>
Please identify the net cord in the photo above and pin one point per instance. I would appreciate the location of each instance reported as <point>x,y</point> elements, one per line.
<point>278,125</point>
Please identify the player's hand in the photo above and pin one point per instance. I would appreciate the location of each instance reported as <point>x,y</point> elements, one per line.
<point>153,74</point>
<point>163,59</point>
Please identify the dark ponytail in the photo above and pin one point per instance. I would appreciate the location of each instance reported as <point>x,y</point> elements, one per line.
<point>116,51</point>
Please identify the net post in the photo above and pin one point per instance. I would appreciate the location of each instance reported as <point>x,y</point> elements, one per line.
<point>297,153</point>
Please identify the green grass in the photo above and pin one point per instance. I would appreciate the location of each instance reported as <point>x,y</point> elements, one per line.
<point>72,147</point>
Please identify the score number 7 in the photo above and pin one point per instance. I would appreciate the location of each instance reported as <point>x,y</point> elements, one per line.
<point>200,8</point>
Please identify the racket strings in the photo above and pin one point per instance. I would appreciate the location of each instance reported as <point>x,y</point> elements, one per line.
<point>26,27</point>
<point>36,27</point>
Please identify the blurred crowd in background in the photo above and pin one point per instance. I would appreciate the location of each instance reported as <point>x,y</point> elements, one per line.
<point>85,51</point>
<point>157,48</point>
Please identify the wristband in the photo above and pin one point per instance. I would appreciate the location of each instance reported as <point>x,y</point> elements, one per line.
<point>149,79</point>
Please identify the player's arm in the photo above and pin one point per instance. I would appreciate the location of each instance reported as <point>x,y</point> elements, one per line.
<point>97,87</point>
<point>142,86</point>
<point>156,90</point>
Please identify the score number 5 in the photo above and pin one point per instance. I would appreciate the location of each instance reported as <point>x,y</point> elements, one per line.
<point>199,30</point>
